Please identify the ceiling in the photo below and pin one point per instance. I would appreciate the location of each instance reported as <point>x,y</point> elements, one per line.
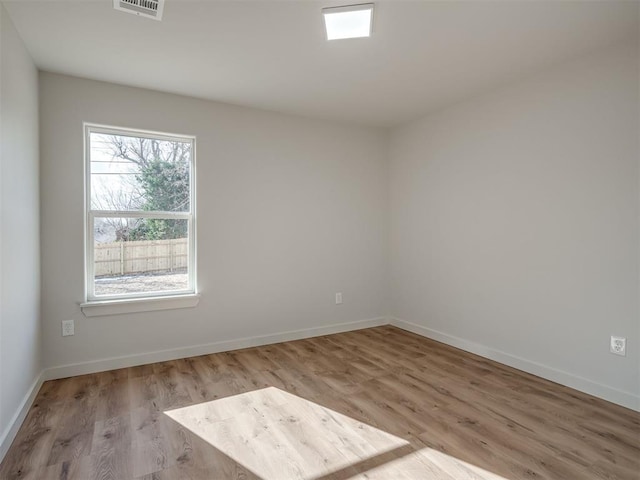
<point>273,54</point>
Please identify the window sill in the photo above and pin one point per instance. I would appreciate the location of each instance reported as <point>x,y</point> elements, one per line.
<point>136,305</point>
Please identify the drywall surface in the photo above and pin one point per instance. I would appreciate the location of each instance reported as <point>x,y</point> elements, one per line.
<point>289,212</point>
<point>515,221</point>
<point>20,363</point>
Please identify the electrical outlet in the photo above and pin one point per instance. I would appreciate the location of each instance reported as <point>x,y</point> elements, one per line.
<point>339,298</point>
<point>67,328</point>
<point>618,345</point>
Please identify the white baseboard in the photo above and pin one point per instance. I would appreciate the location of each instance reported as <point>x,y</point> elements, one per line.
<point>105,364</point>
<point>18,417</point>
<point>626,399</point>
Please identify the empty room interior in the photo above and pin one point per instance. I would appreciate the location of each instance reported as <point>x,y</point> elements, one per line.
<point>323,240</point>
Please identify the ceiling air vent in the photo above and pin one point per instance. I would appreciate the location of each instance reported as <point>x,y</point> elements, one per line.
<point>143,8</point>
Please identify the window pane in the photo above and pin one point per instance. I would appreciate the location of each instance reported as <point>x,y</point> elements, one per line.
<point>140,255</point>
<point>132,173</point>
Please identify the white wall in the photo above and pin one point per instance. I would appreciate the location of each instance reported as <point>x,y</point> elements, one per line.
<point>290,211</point>
<point>20,364</point>
<point>515,224</point>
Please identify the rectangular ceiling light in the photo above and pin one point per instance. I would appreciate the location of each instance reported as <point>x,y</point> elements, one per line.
<point>353,21</point>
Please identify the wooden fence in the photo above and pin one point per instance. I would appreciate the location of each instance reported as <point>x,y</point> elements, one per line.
<point>122,258</point>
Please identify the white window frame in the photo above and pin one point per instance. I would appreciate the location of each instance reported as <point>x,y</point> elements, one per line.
<point>90,298</point>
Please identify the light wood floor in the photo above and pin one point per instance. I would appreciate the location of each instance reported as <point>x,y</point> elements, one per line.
<point>378,403</point>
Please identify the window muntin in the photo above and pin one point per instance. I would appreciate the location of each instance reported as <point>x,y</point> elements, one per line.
<point>140,215</point>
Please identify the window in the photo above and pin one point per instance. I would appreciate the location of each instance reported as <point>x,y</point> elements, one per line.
<point>140,223</point>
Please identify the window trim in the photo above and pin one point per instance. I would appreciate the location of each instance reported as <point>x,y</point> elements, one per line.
<point>154,299</point>
<point>137,305</point>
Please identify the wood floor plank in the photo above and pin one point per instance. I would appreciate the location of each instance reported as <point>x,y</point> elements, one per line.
<point>113,396</point>
<point>111,452</point>
<point>149,447</point>
<point>76,434</point>
<point>78,468</point>
<point>32,446</point>
<point>323,408</point>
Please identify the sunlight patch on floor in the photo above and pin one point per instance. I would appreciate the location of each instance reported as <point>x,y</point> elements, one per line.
<point>281,436</point>
<point>427,463</point>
